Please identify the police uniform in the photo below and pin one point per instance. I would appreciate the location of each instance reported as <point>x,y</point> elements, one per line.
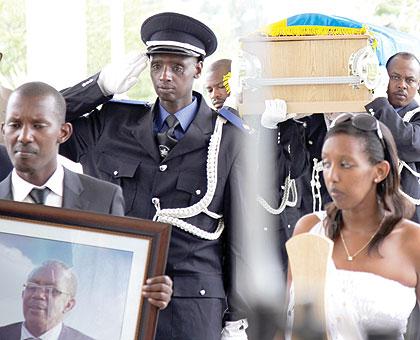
<point>406,132</point>
<point>203,202</point>
<point>297,144</point>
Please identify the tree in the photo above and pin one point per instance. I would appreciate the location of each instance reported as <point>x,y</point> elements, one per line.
<point>13,42</point>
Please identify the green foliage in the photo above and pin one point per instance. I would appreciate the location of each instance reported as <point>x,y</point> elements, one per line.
<point>402,15</point>
<point>98,35</point>
<point>13,42</point>
<point>135,12</point>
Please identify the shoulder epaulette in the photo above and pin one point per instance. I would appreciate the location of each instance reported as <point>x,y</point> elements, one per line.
<point>230,116</point>
<point>130,102</point>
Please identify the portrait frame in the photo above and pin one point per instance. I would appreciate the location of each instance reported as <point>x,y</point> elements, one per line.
<point>92,230</point>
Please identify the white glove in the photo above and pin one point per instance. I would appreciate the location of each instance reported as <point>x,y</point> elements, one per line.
<point>275,113</point>
<point>381,89</point>
<point>235,330</point>
<point>120,76</point>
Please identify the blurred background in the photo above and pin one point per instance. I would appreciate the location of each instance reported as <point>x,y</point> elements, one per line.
<point>62,42</point>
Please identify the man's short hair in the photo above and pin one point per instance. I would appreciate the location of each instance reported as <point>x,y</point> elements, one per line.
<point>40,89</point>
<point>221,64</point>
<point>404,55</point>
<point>68,273</point>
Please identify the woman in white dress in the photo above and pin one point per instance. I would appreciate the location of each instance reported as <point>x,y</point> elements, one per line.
<point>375,279</point>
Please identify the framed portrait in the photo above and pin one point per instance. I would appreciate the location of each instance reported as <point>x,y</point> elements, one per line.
<point>110,257</point>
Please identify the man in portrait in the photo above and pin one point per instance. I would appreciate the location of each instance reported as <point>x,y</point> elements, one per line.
<point>48,295</point>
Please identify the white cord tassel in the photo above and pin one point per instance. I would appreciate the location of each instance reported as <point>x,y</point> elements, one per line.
<point>401,165</point>
<point>316,185</point>
<point>173,216</point>
<point>289,189</point>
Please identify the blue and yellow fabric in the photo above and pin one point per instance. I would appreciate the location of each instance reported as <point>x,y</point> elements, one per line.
<point>385,41</point>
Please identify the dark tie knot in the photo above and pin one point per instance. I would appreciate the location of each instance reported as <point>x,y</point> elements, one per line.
<point>39,195</point>
<point>171,120</point>
<point>167,139</point>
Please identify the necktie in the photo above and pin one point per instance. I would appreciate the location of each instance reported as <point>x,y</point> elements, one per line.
<point>167,139</point>
<point>39,195</point>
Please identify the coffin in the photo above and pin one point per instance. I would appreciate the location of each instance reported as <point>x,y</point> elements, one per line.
<point>311,73</point>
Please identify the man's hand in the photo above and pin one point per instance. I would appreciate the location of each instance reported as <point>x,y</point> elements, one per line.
<point>120,76</point>
<point>275,113</point>
<point>158,291</point>
<point>235,330</point>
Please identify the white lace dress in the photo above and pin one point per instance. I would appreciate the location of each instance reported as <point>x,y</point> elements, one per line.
<point>361,302</point>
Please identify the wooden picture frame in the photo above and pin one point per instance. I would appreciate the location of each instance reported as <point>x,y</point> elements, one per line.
<point>107,253</point>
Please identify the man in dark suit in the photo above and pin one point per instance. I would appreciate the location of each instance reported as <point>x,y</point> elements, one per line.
<point>48,295</point>
<point>33,130</point>
<point>160,163</point>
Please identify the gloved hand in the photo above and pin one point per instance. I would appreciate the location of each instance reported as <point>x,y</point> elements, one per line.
<point>381,89</point>
<point>275,113</point>
<point>235,330</point>
<point>120,76</point>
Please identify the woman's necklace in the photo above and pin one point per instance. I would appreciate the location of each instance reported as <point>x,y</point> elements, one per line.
<point>351,257</point>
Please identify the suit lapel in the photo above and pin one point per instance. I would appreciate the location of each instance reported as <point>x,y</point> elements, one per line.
<point>198,133</point>
<point>72,190</point>
<point>143,133</point>
<point>6,188</point>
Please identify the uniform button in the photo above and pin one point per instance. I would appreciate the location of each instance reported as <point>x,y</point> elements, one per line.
<point>163,167</point>
<point>115,172</point>
<point>198,192</point>
<point>304,125</point>
<point>289,226</point>
<point>202,292</point>
<point>310,142</point>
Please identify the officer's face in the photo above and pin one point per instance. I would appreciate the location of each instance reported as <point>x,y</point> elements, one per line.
<point>215,88</point>
<point>173,77</point>
<point>404,80</point>
<point>46,299</point>
<point>32,134</point>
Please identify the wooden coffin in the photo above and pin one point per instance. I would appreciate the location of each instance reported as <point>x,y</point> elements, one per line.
<point>302,59</point>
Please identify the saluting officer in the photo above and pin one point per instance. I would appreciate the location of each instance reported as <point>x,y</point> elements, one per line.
<point>177,161</point>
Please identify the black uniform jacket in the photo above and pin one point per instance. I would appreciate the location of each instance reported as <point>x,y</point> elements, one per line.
<point>407,139</point>
<point>5,164</point>
<point>117,144</point>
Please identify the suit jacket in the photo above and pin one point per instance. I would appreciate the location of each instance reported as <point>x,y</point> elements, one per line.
<point>6,165</point>
<point>117,144</point>
<point>81,192</point>
<point>407,139</point>
<point>12,332</point>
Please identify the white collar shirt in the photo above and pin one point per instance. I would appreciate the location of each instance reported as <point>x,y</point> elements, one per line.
<point>52,334</point>
<point>22,188</point>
